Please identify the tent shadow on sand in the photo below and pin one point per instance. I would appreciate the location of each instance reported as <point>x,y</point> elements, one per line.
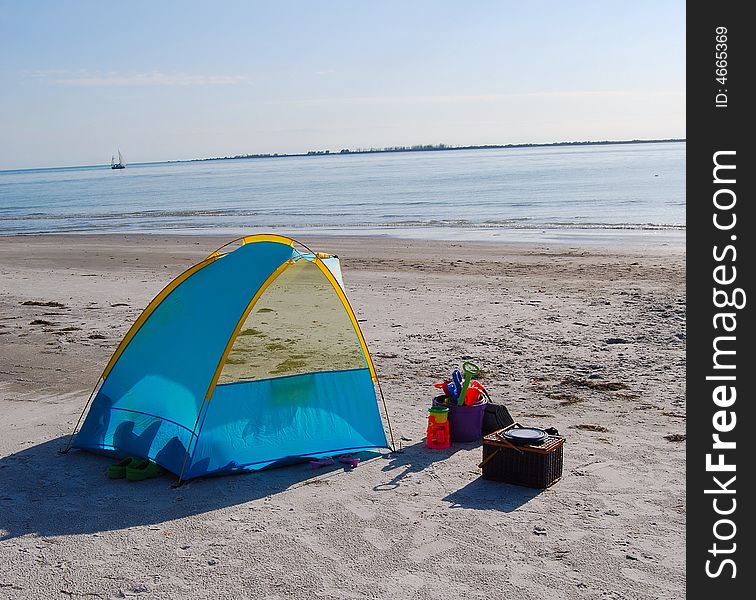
<point>46,493</point>
<point>412,459</point>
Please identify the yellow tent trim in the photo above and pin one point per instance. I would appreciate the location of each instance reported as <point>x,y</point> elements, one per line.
<point>150,309</point>
<point>271,278</point>
<point>260,237</point>
<point>342,296</point>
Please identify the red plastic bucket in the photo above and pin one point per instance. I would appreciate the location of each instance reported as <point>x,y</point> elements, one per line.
<point>465,422</point>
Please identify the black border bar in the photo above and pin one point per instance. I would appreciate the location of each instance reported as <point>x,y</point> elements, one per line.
<point>720,230</point>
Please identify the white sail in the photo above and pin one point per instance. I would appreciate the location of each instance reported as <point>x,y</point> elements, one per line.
<point>117,165</point>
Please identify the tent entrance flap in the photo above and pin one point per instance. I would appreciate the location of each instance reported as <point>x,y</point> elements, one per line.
<point>298,325</point>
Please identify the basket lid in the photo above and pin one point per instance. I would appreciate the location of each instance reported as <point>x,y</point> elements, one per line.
<point>525,435</point>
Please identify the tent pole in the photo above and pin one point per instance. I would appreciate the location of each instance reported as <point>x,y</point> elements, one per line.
<point>81,416</point>
<point>195,434</point>
<point>385,410</point>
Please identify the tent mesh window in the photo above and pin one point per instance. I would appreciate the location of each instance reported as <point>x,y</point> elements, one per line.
<point>298,325</point>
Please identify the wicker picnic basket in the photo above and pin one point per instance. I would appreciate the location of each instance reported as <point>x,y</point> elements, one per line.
<point>537,466</point>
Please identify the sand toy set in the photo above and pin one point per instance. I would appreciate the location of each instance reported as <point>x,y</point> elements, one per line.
<point>527,456</point>
<point>457,414</point>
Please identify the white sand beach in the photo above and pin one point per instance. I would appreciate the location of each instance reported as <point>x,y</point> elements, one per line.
<point>590,340</point>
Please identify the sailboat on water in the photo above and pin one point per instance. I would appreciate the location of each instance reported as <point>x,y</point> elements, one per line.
<point>117,165</point>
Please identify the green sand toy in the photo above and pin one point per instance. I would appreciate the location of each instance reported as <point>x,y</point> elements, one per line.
<point>470,370</point>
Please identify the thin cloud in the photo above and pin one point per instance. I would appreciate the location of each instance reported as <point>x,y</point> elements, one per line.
<point>454,99</point>
<point>148,79</point>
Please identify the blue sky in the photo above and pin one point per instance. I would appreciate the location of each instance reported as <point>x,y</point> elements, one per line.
<point>173,80</point>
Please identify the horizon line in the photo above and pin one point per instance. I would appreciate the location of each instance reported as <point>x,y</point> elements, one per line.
<point>372,150</point>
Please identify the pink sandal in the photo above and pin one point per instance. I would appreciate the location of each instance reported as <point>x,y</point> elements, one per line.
<point>321,462</point>
<point>348,459</point>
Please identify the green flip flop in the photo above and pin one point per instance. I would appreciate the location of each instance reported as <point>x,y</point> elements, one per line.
<point>118,470</point>
<point>144,469</point>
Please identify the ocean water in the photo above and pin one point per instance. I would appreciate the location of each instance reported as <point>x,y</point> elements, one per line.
<point>608,188</point>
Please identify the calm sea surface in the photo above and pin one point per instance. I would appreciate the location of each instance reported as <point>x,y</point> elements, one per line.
<point>614,187</point>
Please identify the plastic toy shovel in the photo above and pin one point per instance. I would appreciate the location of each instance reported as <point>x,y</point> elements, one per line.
<point>470,370</point>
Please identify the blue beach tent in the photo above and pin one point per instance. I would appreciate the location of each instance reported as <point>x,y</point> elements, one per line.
<point>249,359</point>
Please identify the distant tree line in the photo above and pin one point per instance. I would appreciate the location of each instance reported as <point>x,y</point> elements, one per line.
<point>438,147</point>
